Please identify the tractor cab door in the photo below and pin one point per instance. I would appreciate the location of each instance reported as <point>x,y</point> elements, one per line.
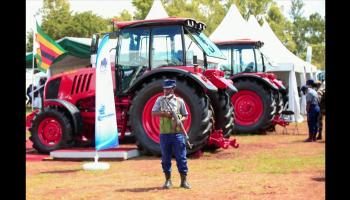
<point>132,56</point>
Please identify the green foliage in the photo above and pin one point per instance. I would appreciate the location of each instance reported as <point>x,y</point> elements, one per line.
<point>85,24</point>
<point>58,21</point>
<point>29,45</point>
<point>281,26</point>
<point>56,18</point>
<point>142,8</point>
<point>251,7</point>
<point>308,31</point>
<point>124,16</point>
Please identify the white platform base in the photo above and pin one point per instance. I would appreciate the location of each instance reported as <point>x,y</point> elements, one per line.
<point>119,153</point>
<point>96,166</point>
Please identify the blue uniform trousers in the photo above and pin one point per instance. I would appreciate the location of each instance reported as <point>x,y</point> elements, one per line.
<point>312,118</point>
<point>170,143</point>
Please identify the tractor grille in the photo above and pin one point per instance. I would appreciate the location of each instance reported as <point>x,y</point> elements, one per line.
<point>81,83</point>
<point>52,88</point>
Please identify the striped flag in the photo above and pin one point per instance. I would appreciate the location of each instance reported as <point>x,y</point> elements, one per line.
<point>45,49</point>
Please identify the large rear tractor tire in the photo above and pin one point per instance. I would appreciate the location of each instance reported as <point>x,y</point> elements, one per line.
<point>146,127</point>
<point>51,130</point>
<point>279,102</point>
<point>254,106</point>
<point>223,112</point>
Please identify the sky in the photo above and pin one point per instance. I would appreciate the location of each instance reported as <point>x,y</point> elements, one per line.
<point>110,8</point>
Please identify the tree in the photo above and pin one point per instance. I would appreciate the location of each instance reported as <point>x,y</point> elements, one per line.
<point>29,45</point>
<point>124,16</point>
<point>315,37</point>
<point>85,24</point>
<point>251,7</point>
<point>56,17</point>
<point>281,26</point>
<point>299,24</point>
<point>142,8</point>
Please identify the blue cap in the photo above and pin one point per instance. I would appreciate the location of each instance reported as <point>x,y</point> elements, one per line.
<point>310,82</point>
<point>303,88</point>
<point>169,83</point>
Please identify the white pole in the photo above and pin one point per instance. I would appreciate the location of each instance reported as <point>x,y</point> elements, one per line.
<point>33,54</point>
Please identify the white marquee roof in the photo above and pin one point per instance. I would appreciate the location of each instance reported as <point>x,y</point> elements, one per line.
<point>232,27</point>
<point>157,11</point>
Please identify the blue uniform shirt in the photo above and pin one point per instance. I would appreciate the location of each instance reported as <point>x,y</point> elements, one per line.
<point>177,104</point>
<point>312,96</point>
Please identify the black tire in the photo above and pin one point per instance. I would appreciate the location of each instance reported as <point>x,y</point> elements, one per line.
<point>268,111</point>
<point>201,115</point>
<point>66,140</point>
<point>223,112</point>
<point>279,102</point>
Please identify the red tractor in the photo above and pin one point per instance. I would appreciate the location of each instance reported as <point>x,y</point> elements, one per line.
<point>148,51</point>
<point>259,100</point>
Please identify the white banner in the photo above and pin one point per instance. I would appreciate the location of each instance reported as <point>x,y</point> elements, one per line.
<point>106,131</point>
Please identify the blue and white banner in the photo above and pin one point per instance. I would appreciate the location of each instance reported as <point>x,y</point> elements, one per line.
<point>106,131</point>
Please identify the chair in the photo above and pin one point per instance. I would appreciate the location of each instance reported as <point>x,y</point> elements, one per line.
<point>287,115</point>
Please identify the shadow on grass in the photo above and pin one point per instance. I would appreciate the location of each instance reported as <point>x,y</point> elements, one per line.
<point>61,171</point>
<point>319,179</point>
<point>139,189</point>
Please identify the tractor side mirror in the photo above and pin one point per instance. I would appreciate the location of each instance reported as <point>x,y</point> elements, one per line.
<point>94,43</point>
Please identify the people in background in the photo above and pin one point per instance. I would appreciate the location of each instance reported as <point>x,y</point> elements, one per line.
<point>29,96</point>
<point>39,93</point>
<point>321,94</point>
<point>312,109</point>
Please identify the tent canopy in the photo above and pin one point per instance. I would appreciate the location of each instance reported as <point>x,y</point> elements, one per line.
<point>157,11</point>
<point>232,27</point>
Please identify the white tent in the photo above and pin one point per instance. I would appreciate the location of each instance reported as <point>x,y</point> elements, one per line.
<point>157,11</point>
<point>232,27</point>
<point>252,30</point>
<point>286,62</point>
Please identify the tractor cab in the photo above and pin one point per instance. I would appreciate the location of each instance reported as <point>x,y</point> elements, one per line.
<point>146,45</point>
<point>242,56</point>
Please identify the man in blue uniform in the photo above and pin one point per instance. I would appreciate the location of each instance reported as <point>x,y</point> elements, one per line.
<point>312,109</point>
<point>171,136</point>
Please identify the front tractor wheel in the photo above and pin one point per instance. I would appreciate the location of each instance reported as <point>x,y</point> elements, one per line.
<point>146,127</point>
<point>50,130</point>
<point>254,107</point>
<point>223,112</point>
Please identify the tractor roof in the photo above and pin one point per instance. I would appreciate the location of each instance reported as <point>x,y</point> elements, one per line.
<point>163,21</point>
<point>257,43</point>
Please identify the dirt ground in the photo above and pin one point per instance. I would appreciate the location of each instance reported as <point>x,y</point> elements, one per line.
<point>273,166</point>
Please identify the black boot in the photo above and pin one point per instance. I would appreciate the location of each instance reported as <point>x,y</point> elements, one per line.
<point>309,139</point>
<point>168,184</point>
<point>314,137</point>
<point>319,137</point>
<point>184,182</point>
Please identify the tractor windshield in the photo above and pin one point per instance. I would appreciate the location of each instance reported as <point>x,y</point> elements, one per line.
<point>241,59</point>
<point>197,44</point>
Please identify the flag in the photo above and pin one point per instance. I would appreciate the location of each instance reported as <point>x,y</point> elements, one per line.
<point>45,49</point>
<point>106,131</point>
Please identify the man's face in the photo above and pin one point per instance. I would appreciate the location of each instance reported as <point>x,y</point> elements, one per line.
<point>167,91</point>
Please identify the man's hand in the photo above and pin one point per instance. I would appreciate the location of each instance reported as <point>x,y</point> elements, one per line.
<point>166,114</point>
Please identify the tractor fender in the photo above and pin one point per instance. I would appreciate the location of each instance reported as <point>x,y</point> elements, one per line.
<point>72,110</point>
<point>264,80</point>
<point>203,82</point>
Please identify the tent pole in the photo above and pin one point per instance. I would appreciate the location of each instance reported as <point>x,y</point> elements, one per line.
<point>33,55</point>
